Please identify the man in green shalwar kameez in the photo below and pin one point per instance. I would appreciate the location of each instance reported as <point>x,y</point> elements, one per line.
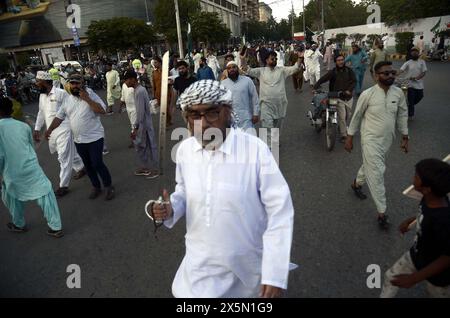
<point>23,178</point>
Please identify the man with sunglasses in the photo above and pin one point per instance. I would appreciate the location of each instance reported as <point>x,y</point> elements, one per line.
<point>380,109</point>
<point>238,207</point>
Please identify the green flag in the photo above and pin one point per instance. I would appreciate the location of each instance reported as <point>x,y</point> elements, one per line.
<point>189,38</point>
<point>436,27</point>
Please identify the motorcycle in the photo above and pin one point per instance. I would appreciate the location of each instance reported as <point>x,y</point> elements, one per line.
<point>438,55</point>
<point>325,115</point>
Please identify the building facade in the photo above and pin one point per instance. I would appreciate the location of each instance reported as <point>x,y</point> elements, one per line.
<point>265,12</point>
<point>249,10</point>
<point>228,10</point>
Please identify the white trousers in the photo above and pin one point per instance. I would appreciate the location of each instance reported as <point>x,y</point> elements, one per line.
<point>405,265</point>
<point>372,172</point>
<point>68,158</point>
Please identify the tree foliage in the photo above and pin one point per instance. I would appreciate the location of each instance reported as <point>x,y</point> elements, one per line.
<point>165,21</point>
<point>402,39</point>
<point>205,26</point>
<point>401,11</point>
<point>119,34</point>
<point>208,27</point>
<point>356,37</point>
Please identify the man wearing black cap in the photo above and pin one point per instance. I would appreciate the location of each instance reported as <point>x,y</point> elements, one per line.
<point>82,108</point>
<point>143,133</point>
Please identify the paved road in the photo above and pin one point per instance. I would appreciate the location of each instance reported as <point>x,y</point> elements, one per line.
<point>335,236</point>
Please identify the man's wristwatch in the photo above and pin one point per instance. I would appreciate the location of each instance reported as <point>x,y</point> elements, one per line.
<point>405,137</point>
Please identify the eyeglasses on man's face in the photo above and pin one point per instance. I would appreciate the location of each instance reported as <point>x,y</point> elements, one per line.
<point>387,73</point>
<point>211,115</point>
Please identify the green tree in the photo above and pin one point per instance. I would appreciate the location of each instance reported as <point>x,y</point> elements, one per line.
<point>402,39</point>
<point>356,37</point>
<point>371,39</point>
<point>340,38</point>
<point>119,34</point>
<point>208,27</point>
<point>401,11</point>
<point>165,22</point>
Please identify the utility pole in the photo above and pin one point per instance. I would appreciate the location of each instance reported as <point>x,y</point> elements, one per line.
<point>323,24</point>
<point>146,12</point>
<point>180,39</point>
<point>292,19</point>
<point>304,25</point>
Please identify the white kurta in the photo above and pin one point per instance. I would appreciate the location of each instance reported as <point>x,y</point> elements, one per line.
<point>128,99</point>
<point>280,58</point>
<point>378,113</point>
<point>312,63</point>
<point>112,80</point>
<point>239,218</point>
<point>196,60</point>
<point>213,63</point>
<point>61,139</point>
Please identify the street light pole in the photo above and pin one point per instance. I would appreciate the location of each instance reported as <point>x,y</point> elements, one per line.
<point>323,24</point>
<point>146,12</point>
<point>180,39</point>
<point>304,25</point>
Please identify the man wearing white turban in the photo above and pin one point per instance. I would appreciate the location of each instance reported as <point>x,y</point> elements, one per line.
<point>238,207</point>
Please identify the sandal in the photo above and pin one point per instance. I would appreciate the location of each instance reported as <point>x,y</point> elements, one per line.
<point>358,191</point>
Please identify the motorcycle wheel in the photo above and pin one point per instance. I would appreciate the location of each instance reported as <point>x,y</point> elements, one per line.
<point>330,134</point>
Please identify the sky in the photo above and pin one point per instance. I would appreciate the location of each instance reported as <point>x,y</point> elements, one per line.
<point>282,8</point>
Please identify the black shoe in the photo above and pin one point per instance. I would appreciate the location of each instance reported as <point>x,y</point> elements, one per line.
<point>54,233</point>
<point>383,221</point>
<point>80,174</point>
<point>110,193</point>
<point>95,193</point>
<point>13,228</point>
<point>358,191</point>
<point>61,192</point>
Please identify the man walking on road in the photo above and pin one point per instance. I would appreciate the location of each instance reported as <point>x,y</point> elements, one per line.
<point>415,70</point>
<point>358,64</point>
<point>23,178</point>
<point>245,96</point>
<point>379,110</point>
<point>143,133</point>
<point>113,87</point>
<point>239,217</point>
<point>50,102</point>
<point>272,91</point>
<point>83,109</point>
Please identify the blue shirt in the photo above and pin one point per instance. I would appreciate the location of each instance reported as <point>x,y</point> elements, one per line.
<point>357,60</point>
<point>205,72</point>
<point>245,98</point>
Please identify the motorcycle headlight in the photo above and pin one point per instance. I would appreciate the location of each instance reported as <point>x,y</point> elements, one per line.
<point>333,101</point>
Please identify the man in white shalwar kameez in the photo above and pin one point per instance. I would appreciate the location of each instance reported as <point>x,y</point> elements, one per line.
<point>379,111</point>
<point>238,207</point>
<point>312,63</point>
<point>272,92</point>
<point>61,142</point>
<point>113,92</point>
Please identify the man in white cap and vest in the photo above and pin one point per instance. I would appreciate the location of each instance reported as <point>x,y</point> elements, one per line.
<point>238,207</point>
<point>61,141</point>
<point>245,96</point>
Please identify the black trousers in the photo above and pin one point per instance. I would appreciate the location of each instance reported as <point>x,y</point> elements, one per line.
<point>92,156</point>
<point>414,97</point>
